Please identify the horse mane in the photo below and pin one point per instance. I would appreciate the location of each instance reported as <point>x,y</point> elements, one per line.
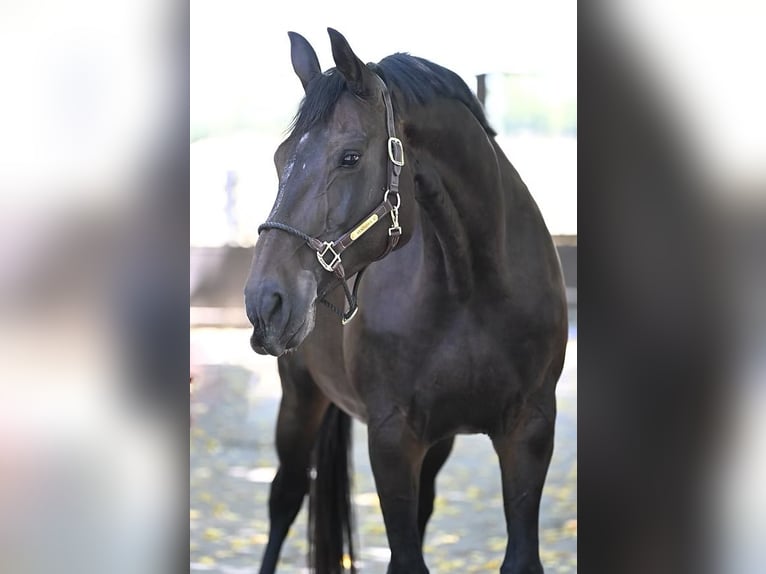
<point>412,81</point>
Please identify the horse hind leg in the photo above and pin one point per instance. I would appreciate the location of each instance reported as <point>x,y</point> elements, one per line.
<point>300,414</point>
<point>525,453</point>
<point>432,463</point>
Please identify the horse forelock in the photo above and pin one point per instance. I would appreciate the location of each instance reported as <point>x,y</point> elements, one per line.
<point>322,93</point>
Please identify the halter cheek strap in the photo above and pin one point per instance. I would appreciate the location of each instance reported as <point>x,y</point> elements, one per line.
<point>328,253</point>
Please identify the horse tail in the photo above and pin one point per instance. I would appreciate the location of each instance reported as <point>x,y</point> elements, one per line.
<point>330,511</point>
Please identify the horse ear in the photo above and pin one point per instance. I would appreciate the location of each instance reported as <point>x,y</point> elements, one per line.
<point>305,61</point>
<point>353,69</point>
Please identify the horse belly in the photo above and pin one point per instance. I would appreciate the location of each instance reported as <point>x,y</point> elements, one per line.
<point>463,408</point>
<point>462,390</point>
<point>481,382</point>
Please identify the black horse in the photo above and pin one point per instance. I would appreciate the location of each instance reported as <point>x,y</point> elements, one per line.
<point>461,325</point>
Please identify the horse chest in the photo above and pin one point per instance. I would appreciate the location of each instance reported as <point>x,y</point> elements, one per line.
<point>443,384</point>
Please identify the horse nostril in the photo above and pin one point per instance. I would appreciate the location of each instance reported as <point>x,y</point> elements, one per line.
<point>266,306</point>
<point>272,305</point>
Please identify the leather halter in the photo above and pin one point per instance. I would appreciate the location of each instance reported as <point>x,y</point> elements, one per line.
<point>329,252</point>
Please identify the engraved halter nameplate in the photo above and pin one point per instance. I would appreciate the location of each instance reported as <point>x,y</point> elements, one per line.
<point>364,227</point>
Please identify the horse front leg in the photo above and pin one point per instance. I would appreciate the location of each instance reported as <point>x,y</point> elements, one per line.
<point>525,454</point>
<point>396,455</point>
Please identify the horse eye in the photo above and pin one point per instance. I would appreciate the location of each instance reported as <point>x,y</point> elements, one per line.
<point>350,159</point>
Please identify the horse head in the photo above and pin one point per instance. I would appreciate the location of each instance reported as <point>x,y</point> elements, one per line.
<point>338,178</point>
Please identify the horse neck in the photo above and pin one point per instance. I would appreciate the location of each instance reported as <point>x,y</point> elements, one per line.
<point>458,189</point>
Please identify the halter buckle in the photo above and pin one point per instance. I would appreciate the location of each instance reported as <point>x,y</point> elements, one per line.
<point>335,257</point>
<point>396,151</point>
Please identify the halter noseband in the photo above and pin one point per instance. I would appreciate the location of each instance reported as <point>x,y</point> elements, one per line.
<point>328,252</point>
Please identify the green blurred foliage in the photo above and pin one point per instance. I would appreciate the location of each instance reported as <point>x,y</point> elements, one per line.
<point>528,103</point>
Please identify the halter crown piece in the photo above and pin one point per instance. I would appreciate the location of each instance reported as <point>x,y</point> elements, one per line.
<point>328,252</point>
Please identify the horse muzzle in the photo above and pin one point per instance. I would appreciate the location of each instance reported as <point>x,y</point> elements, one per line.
<point>281,319</point>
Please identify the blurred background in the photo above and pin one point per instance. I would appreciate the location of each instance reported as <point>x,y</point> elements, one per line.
<point>244,95</point>
<point>94,180</point>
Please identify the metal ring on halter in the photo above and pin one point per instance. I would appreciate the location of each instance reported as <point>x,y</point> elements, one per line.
<point>398,198</point>
<point>347,318</point>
